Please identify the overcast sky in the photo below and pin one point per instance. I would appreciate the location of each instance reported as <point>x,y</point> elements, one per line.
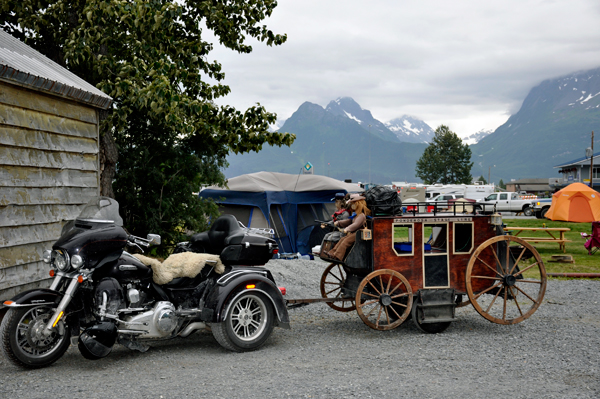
<point>467,64</point>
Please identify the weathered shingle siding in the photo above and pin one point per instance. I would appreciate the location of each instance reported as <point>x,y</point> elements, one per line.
<point>48,171</point>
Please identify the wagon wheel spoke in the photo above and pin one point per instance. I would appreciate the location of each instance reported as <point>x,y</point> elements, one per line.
<point>395,288</point>
<point>371,295</point>
<point>399,296</point>
<point>524,270</point>
<point>493,300</point>
<point>333,290</point>
<point>517,261</point>
<point>504,304</point>
<point>332,284</point>
<point>489,267</point>
<point>487,290</point>
<point>376,307</point>
<point>376,290</point>
<point>516,302</point>
<point>524,293</point>
<point>520,297</point>
<point>496,256</point>
<point>488,278</point>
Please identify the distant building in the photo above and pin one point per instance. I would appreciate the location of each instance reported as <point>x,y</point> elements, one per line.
<point>578,171</point>
<point>49,166</point>
<point>531,186</point>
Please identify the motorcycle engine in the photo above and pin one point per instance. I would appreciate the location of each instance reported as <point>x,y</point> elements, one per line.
<point>158,322</point>
<point>108,297</point>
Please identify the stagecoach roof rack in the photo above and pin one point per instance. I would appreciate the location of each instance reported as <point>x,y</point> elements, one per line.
<point>448,208</point>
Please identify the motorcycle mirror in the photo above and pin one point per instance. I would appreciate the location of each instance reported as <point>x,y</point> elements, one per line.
<point>154,239</point>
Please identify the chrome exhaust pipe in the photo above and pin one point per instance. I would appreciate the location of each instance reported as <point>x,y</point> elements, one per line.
<point>191,328</point>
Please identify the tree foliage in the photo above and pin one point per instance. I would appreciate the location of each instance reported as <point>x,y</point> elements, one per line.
<point>482,179</point>
<point>153,58</point>
<point>446,160</point>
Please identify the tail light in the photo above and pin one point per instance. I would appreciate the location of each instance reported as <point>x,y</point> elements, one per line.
<point>282,290</point>
<point>275,251</point>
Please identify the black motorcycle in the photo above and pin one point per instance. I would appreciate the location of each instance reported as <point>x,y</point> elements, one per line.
<point>104,295</point>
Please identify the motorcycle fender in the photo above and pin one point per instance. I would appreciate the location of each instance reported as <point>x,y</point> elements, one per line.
<point>236,286</point>
<point>35,297</point>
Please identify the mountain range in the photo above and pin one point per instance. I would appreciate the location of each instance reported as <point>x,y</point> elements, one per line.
<point>343,140</point>
<point>553,126</point>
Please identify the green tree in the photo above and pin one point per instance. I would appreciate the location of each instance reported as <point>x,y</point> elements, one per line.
<point>164,128</point>
<point>482,179</point>
<point>501,184</point>
<point>446,160</point>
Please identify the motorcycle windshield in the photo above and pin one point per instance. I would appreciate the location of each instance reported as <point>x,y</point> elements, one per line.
<point>102,209</point>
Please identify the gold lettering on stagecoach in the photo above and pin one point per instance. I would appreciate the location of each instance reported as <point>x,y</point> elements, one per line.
<point>433,220</point>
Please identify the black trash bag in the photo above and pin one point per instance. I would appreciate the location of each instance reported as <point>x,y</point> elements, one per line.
<point>382,200</point>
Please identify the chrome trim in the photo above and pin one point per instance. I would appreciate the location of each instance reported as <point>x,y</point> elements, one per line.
<point>250,290</point>
<point>69,293</point>
<point>191,328</point>
<point>95,220</point>
<point>127,267</point>
<point>226,278</point>
<point>24,305</point>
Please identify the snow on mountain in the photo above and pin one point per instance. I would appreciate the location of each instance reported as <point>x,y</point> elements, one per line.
<point>412,130</point>
<point>476,137</point>
<point>347,107</point>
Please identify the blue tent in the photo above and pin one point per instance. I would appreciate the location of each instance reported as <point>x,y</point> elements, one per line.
<point>289,204</point>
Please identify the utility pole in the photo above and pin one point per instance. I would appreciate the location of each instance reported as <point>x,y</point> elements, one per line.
<point>369,154</point>
<point>592,163</point>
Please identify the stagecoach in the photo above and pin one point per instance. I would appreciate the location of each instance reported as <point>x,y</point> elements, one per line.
<point>423,265</point>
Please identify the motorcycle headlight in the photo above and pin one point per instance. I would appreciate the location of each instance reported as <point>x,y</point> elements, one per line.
<point>47,256</point>
<point>61,260</point>
<point>76,261</point>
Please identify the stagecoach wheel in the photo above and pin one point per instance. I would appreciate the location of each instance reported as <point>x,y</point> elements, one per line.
<point>501,292</point>
<point>332,281</point>
<point>384,299</point>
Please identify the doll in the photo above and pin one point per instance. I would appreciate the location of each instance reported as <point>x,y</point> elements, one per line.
<point>351,225</point>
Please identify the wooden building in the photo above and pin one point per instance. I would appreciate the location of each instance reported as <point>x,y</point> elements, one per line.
<point>49,168</point>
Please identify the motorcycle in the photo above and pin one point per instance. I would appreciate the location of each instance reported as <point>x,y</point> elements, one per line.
<point>102,295</point>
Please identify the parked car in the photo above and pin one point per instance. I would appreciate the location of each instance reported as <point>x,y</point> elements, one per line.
<point>508,202</point>
<point>541,206</point>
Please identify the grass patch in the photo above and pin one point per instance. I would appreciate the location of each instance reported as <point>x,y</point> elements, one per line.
<point>584,263</point>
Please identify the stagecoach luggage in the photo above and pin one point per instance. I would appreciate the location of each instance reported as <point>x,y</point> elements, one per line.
<point>382,200</point>
<point>329,242</point>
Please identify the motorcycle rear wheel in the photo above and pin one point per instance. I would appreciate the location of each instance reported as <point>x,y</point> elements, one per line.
<point>248,324</point>
<point>22,341</point>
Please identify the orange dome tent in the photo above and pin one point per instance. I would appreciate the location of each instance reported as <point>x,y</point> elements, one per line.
<point>575,203</point>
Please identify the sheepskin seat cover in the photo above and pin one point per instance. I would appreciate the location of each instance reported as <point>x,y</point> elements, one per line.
<point>186,264</point>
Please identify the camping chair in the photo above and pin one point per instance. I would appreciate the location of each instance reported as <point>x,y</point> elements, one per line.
<point>593,243</point>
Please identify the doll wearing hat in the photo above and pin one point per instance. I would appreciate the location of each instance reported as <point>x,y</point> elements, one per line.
<point>351,225</point>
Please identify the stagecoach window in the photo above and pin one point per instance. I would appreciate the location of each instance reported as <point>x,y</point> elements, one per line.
<point>435,238</point>
<point>463,238</point>
<point>402,239</point>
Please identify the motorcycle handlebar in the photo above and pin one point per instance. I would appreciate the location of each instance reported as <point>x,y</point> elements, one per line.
<point>138,240</point>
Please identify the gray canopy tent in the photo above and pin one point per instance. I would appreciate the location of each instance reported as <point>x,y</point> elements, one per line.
<point>289,204</point>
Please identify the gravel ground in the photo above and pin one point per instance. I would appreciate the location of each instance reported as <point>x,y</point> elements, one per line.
<point>327,354</point>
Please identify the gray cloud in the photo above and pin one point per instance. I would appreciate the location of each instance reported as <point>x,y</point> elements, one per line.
<point>468,64</point>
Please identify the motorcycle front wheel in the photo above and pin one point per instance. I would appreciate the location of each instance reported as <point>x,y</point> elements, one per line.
<point>248,324</point>
<point>23,342</point>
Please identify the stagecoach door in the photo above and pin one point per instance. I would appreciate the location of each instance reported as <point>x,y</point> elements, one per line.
<point>436,273</point>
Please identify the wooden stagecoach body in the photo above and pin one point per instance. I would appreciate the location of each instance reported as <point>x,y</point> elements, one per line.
<point>426,269</point>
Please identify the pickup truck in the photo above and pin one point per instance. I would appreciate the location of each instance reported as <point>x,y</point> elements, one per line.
<point>540,207</point>
<point>507,202</point>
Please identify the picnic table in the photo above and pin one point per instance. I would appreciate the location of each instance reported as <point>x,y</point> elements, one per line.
<point>560,240</point>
